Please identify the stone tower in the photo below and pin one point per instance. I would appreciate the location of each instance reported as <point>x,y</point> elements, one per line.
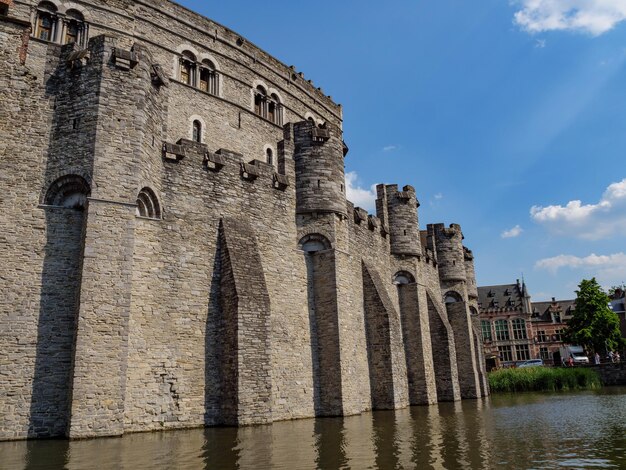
<point>453,279</point>
<point>320,209</point>
<point>472,296</point>
<point>397,211</point>
<point>401,215</point>
<point>320,179</point>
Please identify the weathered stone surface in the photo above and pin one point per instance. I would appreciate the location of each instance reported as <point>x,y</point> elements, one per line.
<point>387,363</point>
<point>252,291</point>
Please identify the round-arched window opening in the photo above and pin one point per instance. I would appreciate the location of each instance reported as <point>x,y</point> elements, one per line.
<point>73,27</point>
<point>187,67</point>
<point>69,191</point>
<point>269,156</point>
<point>313,243</point>
<point>209,81</point>
<point>197,131</point>
<point>260,101</point>
<point>46,22</point>
<point>452,297</point>
<point>403,277</point>
<point>148,204</point>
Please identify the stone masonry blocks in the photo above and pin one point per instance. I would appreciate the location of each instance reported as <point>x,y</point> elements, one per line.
<point>209,313</point>
<point>387,363</point>
<point>416,334</point>
<point>245,303</point>
<point>444,353</point>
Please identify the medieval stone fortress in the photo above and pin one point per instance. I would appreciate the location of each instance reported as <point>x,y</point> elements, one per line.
<point>176,247</point>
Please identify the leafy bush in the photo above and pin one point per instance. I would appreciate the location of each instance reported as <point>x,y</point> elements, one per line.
<point>543,379</point>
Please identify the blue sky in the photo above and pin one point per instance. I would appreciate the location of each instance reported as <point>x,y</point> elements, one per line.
<point>508,117</point>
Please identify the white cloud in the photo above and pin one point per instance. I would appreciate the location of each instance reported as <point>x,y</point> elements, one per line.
<point>360,197</point>
<point>594,17</point>
<point>435,200</point>
<point>588,221</point>
<point>390,148</point>
<point>512,233</point>
<point>574,262</point>
<point>610,270</point>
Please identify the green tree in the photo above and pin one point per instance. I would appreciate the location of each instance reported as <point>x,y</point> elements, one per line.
<point>613,289</point>
<point>594,325</point>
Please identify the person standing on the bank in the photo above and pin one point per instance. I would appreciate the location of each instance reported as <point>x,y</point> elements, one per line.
<point>596,359</point>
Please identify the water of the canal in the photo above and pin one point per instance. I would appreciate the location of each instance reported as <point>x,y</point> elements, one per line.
<point>525,431</point>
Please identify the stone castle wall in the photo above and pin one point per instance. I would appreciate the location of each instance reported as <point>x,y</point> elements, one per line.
<point>255,292</point>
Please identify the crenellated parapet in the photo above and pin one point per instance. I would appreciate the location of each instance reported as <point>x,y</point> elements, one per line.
<point>224,161</point>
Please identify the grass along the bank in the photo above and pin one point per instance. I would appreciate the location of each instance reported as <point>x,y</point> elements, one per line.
<point>543,379</point>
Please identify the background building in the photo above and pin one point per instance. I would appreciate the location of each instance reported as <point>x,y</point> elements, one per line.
<point>505,319</point>
<point>548,322</point>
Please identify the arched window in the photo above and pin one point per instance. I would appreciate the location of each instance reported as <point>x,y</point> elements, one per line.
<point>197,131</point>
<point>46,22</point>
<point>403,277</point>
<point>269,156</point>
<point>69,191</point>
<point>187,63</point>
<point>274,109</point>
<point>75,28</point>
<point>502,330</point>
<point>313,243</point>
<point>260,101</point>
<point>452,297</point>
<point>209,80</point>
<point>519,328</point>
<point>148,204</point>
<point>310,119</point>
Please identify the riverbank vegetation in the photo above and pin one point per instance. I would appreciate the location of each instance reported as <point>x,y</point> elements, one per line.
<point>543,379</point>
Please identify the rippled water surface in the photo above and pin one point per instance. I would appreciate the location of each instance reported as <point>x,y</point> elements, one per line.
<point>582,430</point>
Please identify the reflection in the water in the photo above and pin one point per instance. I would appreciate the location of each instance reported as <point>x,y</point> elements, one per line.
<point>580,430</point>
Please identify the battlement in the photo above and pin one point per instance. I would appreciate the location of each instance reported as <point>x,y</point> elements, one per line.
<point>224,160</point>
<point>363,219</point>
<point>454,230</point>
